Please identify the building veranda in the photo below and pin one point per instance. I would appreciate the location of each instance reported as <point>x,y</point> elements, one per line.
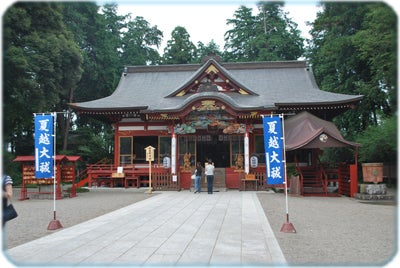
<point>213,110</point>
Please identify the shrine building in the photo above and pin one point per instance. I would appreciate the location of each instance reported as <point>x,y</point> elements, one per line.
<point>195,112</point>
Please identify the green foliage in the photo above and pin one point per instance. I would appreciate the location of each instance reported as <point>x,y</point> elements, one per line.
<point>210,49</point>
<point>353,51</point>
<point>379,142</point>
<point>138,43</point>
<point>338,155</point>
<point>13,169</point>
<point>43,67</point>
<point>179,50</point>
<point>96,145</point>
<point>268,36</point>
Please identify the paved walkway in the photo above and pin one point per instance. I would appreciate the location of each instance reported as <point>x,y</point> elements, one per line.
<point>171,228</point>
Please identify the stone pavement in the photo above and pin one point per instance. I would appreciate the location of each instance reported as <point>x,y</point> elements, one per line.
<point>170,228</point>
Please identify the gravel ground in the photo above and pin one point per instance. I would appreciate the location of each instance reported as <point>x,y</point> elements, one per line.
<point>333,230</point>
<point>329,230</point>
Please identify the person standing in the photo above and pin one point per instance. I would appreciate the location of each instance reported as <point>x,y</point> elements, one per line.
<point>7,192</point>
<point>197,181</point>
<point>209,171</point>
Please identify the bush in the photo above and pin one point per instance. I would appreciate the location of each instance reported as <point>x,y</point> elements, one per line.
<point>379,143</point>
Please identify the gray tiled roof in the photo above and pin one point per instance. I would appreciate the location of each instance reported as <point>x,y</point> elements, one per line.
<point>273,84</point>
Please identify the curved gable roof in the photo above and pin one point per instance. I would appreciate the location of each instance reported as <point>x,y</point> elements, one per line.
<point>211,67</point>
<point>269,86</point>
<point>304,129</point>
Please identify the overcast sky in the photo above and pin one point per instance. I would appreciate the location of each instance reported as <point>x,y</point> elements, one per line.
<point>206,20</point>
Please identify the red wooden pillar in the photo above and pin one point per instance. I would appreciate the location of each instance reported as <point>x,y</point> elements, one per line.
<point>353,180</point>
<point>58,178</point>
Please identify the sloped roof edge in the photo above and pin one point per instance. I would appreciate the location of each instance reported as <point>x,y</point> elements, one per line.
<point>205,66</point>
<point>303,128</point>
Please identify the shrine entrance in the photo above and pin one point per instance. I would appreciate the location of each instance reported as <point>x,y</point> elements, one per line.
<point>214,147</point>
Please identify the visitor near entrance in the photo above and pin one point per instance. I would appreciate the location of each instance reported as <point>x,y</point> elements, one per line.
<point>197,183</point>
<point>209,171</point>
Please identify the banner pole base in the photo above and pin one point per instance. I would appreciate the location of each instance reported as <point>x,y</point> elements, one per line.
<point>288,227</point>
<point>54,224</point>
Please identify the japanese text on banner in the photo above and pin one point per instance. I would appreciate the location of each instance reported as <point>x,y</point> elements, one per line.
<point>273,145</point>
<point>44,146</point>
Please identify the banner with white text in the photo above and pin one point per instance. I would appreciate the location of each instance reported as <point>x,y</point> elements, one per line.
<point>44,146</point>
<point>273,145</point>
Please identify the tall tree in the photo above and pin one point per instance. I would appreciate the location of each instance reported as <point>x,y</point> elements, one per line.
<point>108,50</point>
<point>43,65</point>
<point>377,44</point>
<point>269,35</point>
<point>140,43</point>
<point>80,18</point>
<point>211,48</point>
<point>179,50</point>
<point>239,40</point>
<point>97,31</point>
<point>340,53</point>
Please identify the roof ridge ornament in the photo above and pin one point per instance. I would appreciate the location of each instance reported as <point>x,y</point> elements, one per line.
<point>210,56</point>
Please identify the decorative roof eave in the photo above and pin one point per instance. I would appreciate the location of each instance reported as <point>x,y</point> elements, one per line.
<point>326,111</point>
<point>105,111</point>
<point>211,66</point>
<point>318,106</point>
<point>351,101</point>
<point>111,115</point>
<point>80,107</point>
<point>229,102</point>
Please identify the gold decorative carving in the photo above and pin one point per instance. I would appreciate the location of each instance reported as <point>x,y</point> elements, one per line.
<point>239,162</point>
<point>241,91</point>
<point>180,94</point>
<point>208,105</point>
<point>186,161</point>
<point>212,68</point>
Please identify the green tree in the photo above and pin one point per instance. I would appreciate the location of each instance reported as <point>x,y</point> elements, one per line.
<point>108,50</point>
<point>379,142</point>
<point>138,43</point>
<point>377,44</point>
<point>42,65</point>
<point>179,50</point>
<point>340,54</point>
<point>268,36</point>
<point>101,45</point>
<point>211,48</point>
<point>239,40</point>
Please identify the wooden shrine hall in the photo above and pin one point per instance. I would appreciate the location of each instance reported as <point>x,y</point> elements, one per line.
<point>195,112</point>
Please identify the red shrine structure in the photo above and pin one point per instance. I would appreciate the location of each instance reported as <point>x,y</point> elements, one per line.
<point>213,110</point>
<point>65,172</point>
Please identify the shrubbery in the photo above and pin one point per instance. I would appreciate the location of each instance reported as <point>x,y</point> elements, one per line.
<point>379,143</point>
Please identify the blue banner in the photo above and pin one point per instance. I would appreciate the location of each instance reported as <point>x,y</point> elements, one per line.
<point>273,145</point>
<point>44,146</point>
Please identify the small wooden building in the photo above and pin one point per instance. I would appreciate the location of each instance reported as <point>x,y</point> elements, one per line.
<point>212,110</point>
<point>65,172</point>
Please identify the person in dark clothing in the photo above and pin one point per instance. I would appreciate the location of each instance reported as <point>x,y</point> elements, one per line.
<point>7,192</point>
<point>197,182</point>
